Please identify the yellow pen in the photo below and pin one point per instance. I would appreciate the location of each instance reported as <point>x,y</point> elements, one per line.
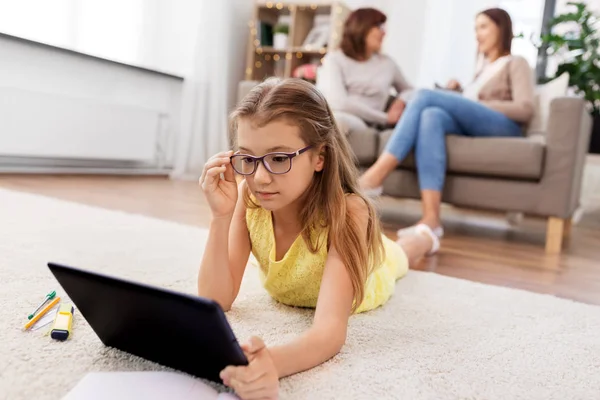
<point>41,313</point>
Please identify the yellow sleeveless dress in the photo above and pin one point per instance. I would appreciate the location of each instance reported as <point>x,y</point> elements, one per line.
<point>295,280</point>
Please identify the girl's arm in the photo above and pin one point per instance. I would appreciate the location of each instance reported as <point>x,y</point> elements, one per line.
<point>225,256</point>
<point>325,338</point>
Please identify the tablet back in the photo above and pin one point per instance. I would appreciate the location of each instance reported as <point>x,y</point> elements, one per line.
<point>184,332</point>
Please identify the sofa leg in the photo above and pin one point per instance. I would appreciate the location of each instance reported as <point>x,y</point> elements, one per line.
<point>555,231</point>
<point>567,228</point>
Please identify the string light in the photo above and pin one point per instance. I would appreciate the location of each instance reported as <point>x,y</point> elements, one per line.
<point>313,6</point>
<point>259,50</point>
<point>248,71</point>
<point>322,60</point>
<point>258,64</point>
<point>288,56</point>
<point>253,31</point>
<point>257,43</point>
<point>323,50</point>
<point>267,57</point>
<point>269,5</point>
<point>276,57</point>
<point>279,6</point>
<point>299,54</point>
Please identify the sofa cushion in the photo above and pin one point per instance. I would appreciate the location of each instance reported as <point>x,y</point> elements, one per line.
<point>544,94</point>
<point>506,157</point>
<point>364,144</point>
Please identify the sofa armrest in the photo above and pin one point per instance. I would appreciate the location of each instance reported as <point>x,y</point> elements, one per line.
<point>567,141</point>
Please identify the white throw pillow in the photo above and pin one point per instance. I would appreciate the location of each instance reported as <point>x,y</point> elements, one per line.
<point>544,94</point>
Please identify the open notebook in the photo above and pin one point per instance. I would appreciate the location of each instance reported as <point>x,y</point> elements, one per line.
<point>152,385</point>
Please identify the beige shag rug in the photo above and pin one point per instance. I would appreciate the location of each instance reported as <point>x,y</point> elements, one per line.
<point>438,338</point>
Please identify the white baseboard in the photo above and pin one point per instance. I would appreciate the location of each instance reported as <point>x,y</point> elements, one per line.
<point>34,165</point>
<point>83,171</point>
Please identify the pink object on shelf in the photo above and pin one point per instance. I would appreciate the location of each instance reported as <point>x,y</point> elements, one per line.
<point>306,71</point>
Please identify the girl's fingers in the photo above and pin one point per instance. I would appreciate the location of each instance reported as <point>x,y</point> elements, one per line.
<point>229,173</point>
<point>215,171</point>
<point>211,180</point>
<point>215,161</point>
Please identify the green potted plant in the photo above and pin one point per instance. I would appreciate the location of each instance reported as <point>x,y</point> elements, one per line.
<point>574,40</point>
<point>280,36</point>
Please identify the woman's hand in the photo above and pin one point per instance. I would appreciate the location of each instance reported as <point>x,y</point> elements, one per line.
<point>259,379</point>
<point>453,84</point>
<point>395,111</point>
<point>221,194</point>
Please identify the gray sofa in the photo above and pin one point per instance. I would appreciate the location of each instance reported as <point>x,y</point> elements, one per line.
<point>538,174</point>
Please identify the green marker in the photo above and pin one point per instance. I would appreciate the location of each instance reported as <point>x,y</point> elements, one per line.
<point>49,296</point>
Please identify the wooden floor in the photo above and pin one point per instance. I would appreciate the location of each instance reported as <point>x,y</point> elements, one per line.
<point>477,246</point>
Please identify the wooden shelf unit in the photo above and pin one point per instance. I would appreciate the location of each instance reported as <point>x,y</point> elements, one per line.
<point>266,61</point>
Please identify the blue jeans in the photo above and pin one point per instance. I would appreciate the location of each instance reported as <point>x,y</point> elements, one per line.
<point>429,117</point>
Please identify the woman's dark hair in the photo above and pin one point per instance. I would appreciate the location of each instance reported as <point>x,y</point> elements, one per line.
<point>504,23</point>
<point>357,25</point>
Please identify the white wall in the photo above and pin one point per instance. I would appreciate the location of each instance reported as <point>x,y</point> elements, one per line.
<point>433,41</point>
<point>449,41</point>
<point>405,35</point>
<point>171,31</point>
<point>44,74</point>
<point>238,27</point>
<point>156,34</point>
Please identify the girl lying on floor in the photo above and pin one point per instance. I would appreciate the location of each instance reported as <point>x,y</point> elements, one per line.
<point>300,211</point>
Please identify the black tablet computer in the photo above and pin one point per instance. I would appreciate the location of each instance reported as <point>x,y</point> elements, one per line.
<point>184,332</point>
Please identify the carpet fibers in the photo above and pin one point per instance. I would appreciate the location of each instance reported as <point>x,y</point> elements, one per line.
<point>437,338</point>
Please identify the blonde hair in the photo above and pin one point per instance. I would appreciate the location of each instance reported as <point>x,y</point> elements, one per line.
<point>300,103</point>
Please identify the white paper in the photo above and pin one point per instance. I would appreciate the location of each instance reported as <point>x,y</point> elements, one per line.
<point>151,385</point>
<point>46,319</point>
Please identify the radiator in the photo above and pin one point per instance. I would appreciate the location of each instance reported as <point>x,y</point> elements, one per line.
<point>56,126</point>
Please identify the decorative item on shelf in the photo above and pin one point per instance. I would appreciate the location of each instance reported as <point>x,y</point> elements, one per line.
<point>308,72</point>
<point>262,32</point>
<point>280,38</point>
<point>318,37</point>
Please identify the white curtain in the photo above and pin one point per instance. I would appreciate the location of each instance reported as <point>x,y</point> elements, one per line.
<point>209,93</point>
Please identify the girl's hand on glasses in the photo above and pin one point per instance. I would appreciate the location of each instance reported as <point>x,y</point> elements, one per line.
<point>221,193</point>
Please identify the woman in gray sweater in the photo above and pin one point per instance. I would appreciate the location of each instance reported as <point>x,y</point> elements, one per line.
<point>357,79</point>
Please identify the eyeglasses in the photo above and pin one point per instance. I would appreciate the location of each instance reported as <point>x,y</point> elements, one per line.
<point>276,163</point>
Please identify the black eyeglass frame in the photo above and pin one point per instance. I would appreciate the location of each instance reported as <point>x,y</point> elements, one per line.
<point>266,165</point>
